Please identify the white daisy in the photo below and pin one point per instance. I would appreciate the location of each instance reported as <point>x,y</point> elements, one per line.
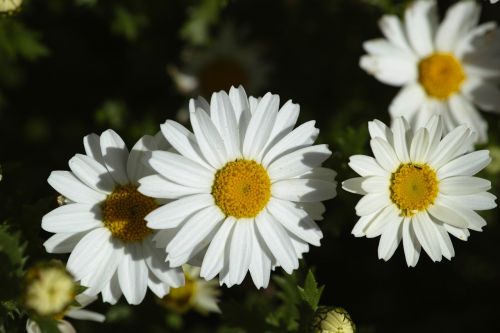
<point>447,69</point>
<point>75,312</point>
<point>245,185</point>
<point>419,188</point>
<point>196,294</point>
<point>103,225</point>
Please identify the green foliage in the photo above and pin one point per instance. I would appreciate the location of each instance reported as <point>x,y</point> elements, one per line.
<point>127,23</point>
<point>389,6</point>
<point>201,18</point>
<point>17,41</point>
<point>112,114</point>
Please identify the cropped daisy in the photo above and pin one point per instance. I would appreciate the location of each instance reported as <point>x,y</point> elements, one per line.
<point>103,225</point>
<point>196,294</point>
<point>74,312</point>
<point>447,69</point>
<point>418,188</point>
<point>246,188</point>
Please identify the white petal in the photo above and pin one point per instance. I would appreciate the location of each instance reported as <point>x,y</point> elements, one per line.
<point>174,213</point>
<point>92,146</point>
<point>359,227</point>
<point>420,146</point>
<point>82,314</point>
<point>378,129</point>
<point>181,170</point>
<point>410,243</point>
<point>208,138</point>
<point>73,218</point>
<point>435,129</point>
<point>459,20</point>
<point>260,126</point>
<point>326,174</point>
<point>214,258</point>
<point>314,209</point>
<point>480,40</point>
<point>353,185</point>
<point>285,121</point>
<point>91,173</point>
<point>445,214</point>
<point>72,188</point>
<point>391,70</point>
<point>277,241</point>
<point>461,185</point>
<point>376,184</point>
<point>393,30</point>
<point>87,252</point>
<point>426,235</point>
<point>136,167</point>
<point>401,131</point>
<point>298,162</point>
<point>156,186</point>
<point>389,240</point>
<point>115,155</point>
<point>466,165</point>
<point>155,260</point>
<point>305,190</point>
<point>379,222</point>
<point>383,47</point>
<point>444,241</point>
<point>295,220</point>
<point>239,101</point>
<point>183,141</point>
<point>384,154</point>
<point>471,219</point>
<point>158,287</point>
<point>224,119</point>
<point>104,270</point>
<point>366,166</point>
<point>476,201</point>
<point>301,137</point>
<point>483,93</point>
<point>240,250</point>
<point>260,262</point>
<point>465,113</point>
<point>194,231</point>
<point>63,242</point>
<point>421,23</point>
<point>447,149</point>
<point>133,274</point>
<point>111,292</point>
<point>462,234</point>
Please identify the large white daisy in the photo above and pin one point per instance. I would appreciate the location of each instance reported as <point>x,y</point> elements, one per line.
<point>246,185</point>
<point>103,225</point>
<point>418,188</point>
<point>447,69</point>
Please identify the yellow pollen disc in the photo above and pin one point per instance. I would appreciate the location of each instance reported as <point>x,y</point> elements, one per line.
<point>414,187</point>
<point>124,211</point>
<point>181,299</point>
<point>441,75</point>
<point>241,188</point>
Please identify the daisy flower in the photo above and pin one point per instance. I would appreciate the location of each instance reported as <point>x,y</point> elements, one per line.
<point>246,188</point>
<point>418,188</point>
<point>333,320</point>
<point>75,312</point>
<point>103,224</point>
<point>196,294</point>
<point>447,69</point>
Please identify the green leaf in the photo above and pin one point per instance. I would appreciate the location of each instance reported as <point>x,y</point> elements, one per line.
<point>12,247</point>
<point>311,293</point>
<point>127,23</point>
<point>201,18</point>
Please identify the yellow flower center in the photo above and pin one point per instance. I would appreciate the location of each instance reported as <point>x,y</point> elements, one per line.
<point>441,75</point>
<point>180,299</point>
<point>241,188</point>
<point>413,188</point>
<point>124,211</point>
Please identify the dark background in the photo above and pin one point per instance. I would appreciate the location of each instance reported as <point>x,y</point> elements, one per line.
<point>80,67</point>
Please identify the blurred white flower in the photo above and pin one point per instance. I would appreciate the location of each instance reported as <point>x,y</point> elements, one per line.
<point>446,69</point>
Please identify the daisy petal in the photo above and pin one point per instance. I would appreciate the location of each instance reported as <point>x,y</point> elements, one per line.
<point>483,93</point>
<point>466,165</point>
<point>400,130</point>
<point>63,242</point>
<point>214,257</point>
<point>465,113</point>
<point>303,190</point>
<point>277,241</point>
<point>111,292</point>
<point>224,119</point>
<point>156,186</point>
<point>72,188</point>
<point>115,155</point>
<point>378,224</point>
<point>91,173</point>
<point>384,154</point>
<point>390,239</point>
<point>462,185</point>
<point>447,149</point>
<point>419,146</point>
<point>136,166</point>
<point>285,121</point>
<point>447,215</point>
<point>133,274</point>
<point>158,287</point>
<point>390,70</point>
<point>459,20</point>
<point>410,243</point>
<point>92,146</point>
<point>72,218</point>
<point>260,262</point>
<point>476,201</point>
<point>421,23</point>
<point>240,250</point>
<point>426,236</point>
<point>393,30</point>
<point>366,166</point>
<point>353,185</point>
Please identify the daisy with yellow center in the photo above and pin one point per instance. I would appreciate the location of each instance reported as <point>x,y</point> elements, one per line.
<point>419,187</point>
<point>196,294</point>
<point>246,188</point>
<point>103,225</point>
<point>447,69</point>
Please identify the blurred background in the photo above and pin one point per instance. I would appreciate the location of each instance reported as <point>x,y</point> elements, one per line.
<point>72,67</point>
